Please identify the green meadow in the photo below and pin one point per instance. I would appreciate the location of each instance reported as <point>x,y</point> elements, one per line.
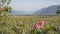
<point>24,24</point>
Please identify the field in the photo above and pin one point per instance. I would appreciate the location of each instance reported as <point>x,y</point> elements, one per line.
<point>24,24</point>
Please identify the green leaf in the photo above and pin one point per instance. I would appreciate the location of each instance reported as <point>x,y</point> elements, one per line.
<point>3,1</point>
<point>32,31</point>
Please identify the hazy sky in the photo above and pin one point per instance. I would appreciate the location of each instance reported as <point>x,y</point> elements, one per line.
<point>32,5</point>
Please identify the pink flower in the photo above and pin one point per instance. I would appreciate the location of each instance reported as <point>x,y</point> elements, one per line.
<point>41,22</point>
<point>37,26</point>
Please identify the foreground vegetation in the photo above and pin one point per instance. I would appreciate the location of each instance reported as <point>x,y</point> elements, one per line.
<point>24,24</point>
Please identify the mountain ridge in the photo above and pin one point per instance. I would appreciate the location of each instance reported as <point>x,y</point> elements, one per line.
<point>50,10</point>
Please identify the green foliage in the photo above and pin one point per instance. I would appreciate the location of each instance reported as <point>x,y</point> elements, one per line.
<point>4,7</point>
<point>58,12</point>
<point>48,30</point>
<point>4,19</point>
<point>7,9</point>
<point>4,2</point>
<point>32,31</point>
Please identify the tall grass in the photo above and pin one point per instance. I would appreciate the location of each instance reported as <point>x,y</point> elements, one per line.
<point>24,24</point>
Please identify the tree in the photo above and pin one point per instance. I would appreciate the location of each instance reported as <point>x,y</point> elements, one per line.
<point>4,6</point>
<point>58,11</point>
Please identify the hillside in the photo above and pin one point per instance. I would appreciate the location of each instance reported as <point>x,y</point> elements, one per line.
<point>51,10</point>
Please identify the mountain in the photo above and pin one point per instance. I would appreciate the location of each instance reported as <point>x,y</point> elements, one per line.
<point>50,10</point>
<point>15,12</point>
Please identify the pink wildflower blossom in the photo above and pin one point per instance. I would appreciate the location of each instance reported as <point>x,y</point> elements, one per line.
<point>41,22</point>
<point>37,26</point>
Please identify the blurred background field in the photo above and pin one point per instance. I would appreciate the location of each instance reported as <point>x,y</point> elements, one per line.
<point>24,24</point>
